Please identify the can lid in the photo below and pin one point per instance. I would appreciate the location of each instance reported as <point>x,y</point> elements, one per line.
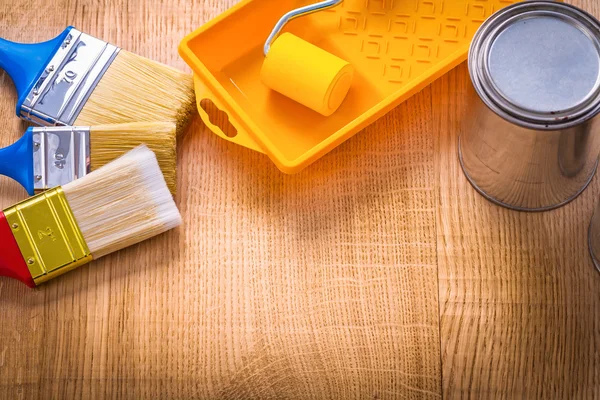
<point>538,64</point>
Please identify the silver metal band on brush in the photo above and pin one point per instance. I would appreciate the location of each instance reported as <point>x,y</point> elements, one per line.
<point>68,80</point>
<point>60,155</point>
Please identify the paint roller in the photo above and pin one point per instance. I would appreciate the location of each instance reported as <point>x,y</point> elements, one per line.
<point>302,71</point>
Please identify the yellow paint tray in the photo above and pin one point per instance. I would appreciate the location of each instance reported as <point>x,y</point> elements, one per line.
<point>397,47</point>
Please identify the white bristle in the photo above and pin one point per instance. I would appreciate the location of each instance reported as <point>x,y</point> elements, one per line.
<point>123,203</point>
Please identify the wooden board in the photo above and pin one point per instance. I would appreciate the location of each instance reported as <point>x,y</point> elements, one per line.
<point>319,285</point>
<point>519,296</point>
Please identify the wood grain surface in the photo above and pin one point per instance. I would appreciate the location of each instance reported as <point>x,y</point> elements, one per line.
<point>519,296</point>
<point>376,273</point>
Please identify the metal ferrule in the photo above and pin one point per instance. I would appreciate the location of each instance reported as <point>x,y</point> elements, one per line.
<point>48,236</point>
<point>60,155</point>
<point>68,80</point>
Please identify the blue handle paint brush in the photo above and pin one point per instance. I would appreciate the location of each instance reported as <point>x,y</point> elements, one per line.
<point>48,157</point>
<point>16,162</point>
<point>77,79</point>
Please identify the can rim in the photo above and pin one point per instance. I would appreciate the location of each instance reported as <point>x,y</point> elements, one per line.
<point>491,94</point>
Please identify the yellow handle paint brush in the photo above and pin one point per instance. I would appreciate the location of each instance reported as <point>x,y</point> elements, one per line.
<point>123,203</point>
<point>46,157</point>
<point>304,72</point>
<point>77,79</point>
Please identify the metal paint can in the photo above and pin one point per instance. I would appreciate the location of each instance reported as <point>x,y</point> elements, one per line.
<point>530,141</point>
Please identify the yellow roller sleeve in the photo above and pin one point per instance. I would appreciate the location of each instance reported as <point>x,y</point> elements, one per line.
<point>307,74</point>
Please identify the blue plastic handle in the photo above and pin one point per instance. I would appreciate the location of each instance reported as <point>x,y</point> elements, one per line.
<point>25,62</point>
<point>16,161</point>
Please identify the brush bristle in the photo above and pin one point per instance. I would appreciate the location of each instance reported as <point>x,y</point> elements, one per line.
<point>108,142</point>
<point>136,89</point>
<point>123,203</point>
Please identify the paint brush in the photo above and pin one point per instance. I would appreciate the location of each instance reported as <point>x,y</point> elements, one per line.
<point>121,204</point>
<point>77,79</point>
<point>46,157</point>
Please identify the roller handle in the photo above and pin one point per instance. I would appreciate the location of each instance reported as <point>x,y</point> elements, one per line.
<point>12,264</point>
<point>16,161</point>
<point>25,62</point>
<point>299,12</point>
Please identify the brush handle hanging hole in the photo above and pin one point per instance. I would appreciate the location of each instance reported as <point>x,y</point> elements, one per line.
<point>218,118</point>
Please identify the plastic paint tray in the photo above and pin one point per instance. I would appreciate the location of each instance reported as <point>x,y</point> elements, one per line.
<point>397,47</point>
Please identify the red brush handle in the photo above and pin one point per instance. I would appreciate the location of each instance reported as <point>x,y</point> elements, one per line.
<point>12,264</point>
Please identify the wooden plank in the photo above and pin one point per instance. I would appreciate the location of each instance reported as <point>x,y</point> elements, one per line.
<point>319,285</point>
<point>519,296</point>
